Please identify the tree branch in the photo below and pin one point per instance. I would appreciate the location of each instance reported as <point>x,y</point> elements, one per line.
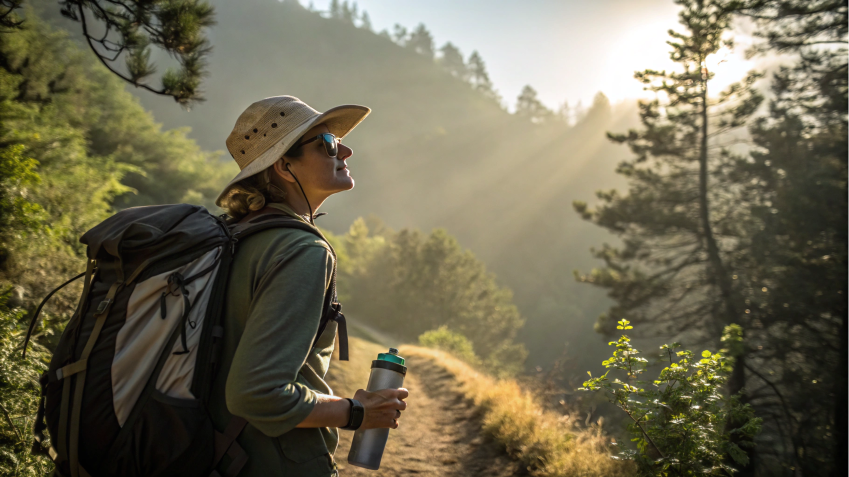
<point>12,424</point>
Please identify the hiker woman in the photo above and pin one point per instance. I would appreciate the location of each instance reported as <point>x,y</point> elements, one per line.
<point>275,353</point>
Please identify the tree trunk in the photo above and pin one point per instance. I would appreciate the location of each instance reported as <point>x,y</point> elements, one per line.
<point>737,380</point>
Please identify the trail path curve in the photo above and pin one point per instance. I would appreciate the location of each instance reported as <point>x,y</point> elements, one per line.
<point>440,432</point>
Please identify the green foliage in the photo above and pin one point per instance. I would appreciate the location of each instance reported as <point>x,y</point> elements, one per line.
<point>678,420</point>
<point>76,146</point>
<point>19,393</point>
<point>18,214</point>
<point>447,340</point>
<point>409,283</point>
<point>127,29</point>
<point>9,20</point>
<point>756,238</point>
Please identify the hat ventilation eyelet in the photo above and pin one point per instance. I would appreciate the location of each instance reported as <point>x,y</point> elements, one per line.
<point>243,151</point>
<point>282,113</point>
<point>256,130</point>
<point>247,137</point>
<point>274,125</point>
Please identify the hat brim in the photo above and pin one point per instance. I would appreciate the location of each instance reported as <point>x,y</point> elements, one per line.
<point>340,121</point>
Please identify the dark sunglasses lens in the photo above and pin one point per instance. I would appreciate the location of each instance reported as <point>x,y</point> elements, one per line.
<point>330,144</point>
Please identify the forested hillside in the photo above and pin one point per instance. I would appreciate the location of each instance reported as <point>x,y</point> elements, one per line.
<point>435,152</point>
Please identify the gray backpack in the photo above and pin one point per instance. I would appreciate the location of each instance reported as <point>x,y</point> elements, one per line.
<point>127,389</point>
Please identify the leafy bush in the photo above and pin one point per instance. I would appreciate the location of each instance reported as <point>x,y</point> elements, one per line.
<point>19,392</point>
<point>454,343</point>
<point>679,419</point>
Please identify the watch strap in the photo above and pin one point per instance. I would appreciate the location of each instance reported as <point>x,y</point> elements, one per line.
<point>356,417</point>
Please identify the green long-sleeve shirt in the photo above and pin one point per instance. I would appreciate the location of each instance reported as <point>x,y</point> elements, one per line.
<point>270,373</point>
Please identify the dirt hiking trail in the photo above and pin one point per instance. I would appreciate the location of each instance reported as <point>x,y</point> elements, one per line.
<point>440,432</point>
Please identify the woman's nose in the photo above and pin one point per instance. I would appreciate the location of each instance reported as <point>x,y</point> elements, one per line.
<point>344,152</point>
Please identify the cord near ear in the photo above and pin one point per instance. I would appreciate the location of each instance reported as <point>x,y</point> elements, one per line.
<point>312,221</point>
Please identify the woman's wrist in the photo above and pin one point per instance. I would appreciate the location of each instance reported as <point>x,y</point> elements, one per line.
<point>329,411</point>
<point>341,412</point>
<point>356,415</point>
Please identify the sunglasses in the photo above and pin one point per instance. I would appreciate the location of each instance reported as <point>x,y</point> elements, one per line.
<point>330,141</point>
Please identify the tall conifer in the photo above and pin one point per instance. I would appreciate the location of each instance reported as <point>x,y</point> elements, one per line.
<point>795,185</point>
<point>452,60</point>
<point>479,78</point>
<point>672,275</point>
<point>421,41</point>
<point>529,106</point>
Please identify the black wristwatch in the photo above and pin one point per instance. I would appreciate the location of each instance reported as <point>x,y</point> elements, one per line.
<point>357,414</point>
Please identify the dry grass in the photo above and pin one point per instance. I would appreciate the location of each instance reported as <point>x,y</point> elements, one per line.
<point>543,440</point>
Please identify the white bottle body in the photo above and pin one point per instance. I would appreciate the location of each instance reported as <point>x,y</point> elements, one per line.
<point>368,445</point>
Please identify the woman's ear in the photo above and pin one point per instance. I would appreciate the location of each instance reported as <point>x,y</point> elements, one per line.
<point>281,170</point>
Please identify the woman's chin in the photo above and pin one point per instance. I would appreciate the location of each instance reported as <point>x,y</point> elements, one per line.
<point>345,183</point>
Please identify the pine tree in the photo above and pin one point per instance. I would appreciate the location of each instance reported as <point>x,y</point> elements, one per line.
<point>125,31</point>
<point>421,41</point>
<point>365,21</point>
<point>793,270</point>
<point>452,61</point>
<point>530,107</point>
<point>335,9</point>
<point>346,14</point>
<point>795,180</point>
<point>564,113</point>
<point>673,274</point>
<point>479,78</point>
<point>399,34</point>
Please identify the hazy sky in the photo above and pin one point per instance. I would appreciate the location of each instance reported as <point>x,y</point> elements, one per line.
<point>565,49</point>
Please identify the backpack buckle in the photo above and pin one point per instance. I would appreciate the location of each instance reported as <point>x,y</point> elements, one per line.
<point>103,305</point>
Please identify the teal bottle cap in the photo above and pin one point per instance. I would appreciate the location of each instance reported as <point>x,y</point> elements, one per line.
<point>391,356</point>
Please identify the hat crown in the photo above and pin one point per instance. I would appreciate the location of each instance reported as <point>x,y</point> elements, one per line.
<point>263,124</point>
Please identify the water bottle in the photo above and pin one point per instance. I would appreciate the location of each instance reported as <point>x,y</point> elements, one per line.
<point>387,372</point>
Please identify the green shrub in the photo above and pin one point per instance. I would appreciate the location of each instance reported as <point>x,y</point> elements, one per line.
<point>678,421</point>
<point>19,392</point>
<point>452,342</point>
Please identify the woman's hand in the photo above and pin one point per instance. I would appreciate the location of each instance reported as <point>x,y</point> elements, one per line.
<point>382,408</point>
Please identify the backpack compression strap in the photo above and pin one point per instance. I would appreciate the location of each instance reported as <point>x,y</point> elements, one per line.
<point>268,218</point>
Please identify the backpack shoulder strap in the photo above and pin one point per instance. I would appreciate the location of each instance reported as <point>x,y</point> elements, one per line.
<point>268,218</point>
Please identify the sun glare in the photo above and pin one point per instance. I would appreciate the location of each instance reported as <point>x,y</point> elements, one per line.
<point>728,66</point>
<point>641,48</point>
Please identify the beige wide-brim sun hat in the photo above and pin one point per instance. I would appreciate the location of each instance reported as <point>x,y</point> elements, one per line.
<point>268,128</point>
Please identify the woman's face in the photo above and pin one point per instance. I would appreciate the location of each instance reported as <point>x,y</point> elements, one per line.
<point>319,174</point>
